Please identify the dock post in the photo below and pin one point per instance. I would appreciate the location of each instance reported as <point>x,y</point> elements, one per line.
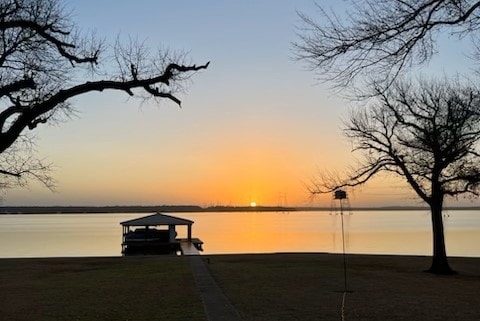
<point>171,233</point>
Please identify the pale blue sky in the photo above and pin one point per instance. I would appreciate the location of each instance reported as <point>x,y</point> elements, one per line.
<point>254,126</point>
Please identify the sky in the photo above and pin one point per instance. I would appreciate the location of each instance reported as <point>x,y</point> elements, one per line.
<point>256,126</point>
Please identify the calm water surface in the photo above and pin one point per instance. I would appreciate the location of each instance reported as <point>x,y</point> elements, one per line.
<point>374,232</point>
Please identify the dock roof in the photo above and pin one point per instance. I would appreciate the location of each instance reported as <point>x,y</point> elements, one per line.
<point>157,219</point>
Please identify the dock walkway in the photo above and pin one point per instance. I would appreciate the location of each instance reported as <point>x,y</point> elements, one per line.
<point>216,304</point>
<point>188,247</point>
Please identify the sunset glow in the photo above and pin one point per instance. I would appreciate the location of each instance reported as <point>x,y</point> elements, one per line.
<point>254,128</point>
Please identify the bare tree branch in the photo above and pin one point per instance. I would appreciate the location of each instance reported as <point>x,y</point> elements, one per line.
<point>45,62</point>
<point>380,37</point>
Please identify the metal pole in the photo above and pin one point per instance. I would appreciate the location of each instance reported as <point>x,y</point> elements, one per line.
<point>343,245</point>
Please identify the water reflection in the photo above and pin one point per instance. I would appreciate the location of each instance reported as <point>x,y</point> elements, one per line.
<point>392,232</point>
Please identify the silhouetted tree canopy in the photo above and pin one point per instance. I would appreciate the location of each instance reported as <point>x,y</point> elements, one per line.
<point>45,61</point>
<point>382,38</point>
<point>426,132</point>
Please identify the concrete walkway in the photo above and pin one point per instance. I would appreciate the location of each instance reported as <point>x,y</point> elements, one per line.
<point>216,304</point>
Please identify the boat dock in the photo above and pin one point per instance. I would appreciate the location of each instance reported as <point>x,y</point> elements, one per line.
<point>156,234</point>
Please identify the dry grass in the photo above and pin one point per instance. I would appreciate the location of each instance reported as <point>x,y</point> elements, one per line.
<point>262,287</point>
<point>134,288</point>
<point>309,287</point>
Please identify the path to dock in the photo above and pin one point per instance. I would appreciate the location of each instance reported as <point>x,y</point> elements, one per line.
<point>216,304</point>
<point>188,248</point>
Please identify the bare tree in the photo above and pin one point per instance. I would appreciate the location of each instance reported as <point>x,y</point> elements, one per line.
<point>382,38</point>
<point>425,132</point>
<point>45,61</point>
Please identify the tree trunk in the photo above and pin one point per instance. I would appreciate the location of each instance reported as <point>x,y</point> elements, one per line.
<point>439,260</point>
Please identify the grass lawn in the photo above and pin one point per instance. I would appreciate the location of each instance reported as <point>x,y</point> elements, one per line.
<point>309,287</point>
<point>98,289</point>
<point>261,287</point>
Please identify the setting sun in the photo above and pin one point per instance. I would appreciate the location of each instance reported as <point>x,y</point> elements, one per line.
<point>253,204</point>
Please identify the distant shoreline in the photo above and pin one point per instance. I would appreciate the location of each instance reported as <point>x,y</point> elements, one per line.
<point>195,209</point>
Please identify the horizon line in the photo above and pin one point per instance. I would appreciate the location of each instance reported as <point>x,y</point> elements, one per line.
<point>65,209</point>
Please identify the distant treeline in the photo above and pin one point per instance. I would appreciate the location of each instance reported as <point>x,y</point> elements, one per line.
<point>134,209</point>
<point>194,208</point>
<point>97,209</point>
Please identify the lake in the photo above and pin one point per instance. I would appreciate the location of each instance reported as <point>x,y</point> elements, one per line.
<point>370,232</point>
